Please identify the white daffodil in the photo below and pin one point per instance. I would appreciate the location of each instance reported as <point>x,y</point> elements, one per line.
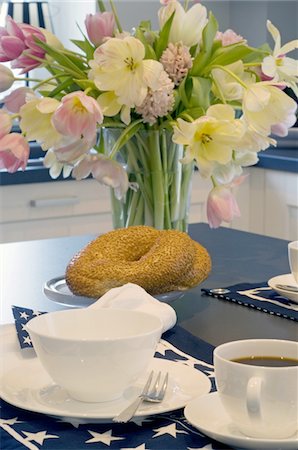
<point>226,87</point>
<point>119,66</point>
<point>187,26</point>
<point>278,66</point>
<point>265,107</point>
<point>210,139</point>
<point>51,162</point>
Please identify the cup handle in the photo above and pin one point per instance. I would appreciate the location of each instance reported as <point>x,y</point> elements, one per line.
<point>253,397</point>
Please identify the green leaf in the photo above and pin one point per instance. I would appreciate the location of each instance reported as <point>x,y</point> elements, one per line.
<point>149,52</point>
<point>62,59</point>
<point>85,84</point>
<point>61,87</point>
<point>127,134</point>
<point>162,42</point>
<point>184,91</point>
<point>200,93</point>
<point>208,36</point>
<point>192,112</point>
<point>228,55</point>
<point>86,46</point>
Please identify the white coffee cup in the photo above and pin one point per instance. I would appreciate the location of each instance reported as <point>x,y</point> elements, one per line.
<point>261,401</point>
<point>293,258</point>
<point>95,354</point>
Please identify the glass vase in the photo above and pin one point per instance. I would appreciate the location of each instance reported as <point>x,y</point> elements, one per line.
<point>161,197</point>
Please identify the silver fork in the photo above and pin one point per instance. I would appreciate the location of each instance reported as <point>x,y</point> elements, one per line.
<point>154,394</point>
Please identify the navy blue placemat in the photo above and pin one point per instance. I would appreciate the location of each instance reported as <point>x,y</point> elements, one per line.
<point>21,429</point>
<point>258,296</point>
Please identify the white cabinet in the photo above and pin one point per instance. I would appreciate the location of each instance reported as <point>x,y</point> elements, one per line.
<point>60,208</point>
<point>268,201</point>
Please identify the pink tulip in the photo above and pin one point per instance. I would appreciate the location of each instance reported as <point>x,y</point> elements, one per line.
<point>14,152</point>
<point>221,206</point>
<point>71,152</point>
<point>5,123</point>
<point>78,115</point>
<point>6,78</point>
<point>17,98</point>
<point>229,37</point>
<point>99,26</point>
<point>17,44</point>
<point>104,170</point>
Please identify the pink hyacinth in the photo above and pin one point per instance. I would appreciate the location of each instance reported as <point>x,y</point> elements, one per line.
<point>17,98</point>
<point>78,115</point>
<point>17,44</point>
<point>100,26</point>
<point>14,152</point>
<point>177,61</point>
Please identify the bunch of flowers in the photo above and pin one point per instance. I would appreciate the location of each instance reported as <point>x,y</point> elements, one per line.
<point>221,98</point>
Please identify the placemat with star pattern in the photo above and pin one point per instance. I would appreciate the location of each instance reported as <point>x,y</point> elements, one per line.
<point>168,431</point>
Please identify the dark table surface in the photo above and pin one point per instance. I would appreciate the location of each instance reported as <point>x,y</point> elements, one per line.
<point>237,257</point>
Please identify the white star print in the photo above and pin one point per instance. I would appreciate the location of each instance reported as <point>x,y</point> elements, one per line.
<point>36,313</point>
<point>105,438</point>
<point>23,325</point>
<point>139,447</point>
<point>207,447</point>
<point>9,421</point>
<point>168,429</point>
<point>27,340</point>
<point>24,315</point>
<point>39,437</point>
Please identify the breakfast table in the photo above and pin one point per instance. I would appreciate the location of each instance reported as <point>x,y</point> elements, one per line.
<point>235,302</point>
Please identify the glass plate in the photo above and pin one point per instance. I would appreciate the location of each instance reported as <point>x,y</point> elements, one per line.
<point>57,290</point>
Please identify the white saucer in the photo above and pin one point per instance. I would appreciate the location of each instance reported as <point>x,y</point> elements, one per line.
<point>25,384</point>
<point>57,290</point>
<point>287,279</point>
<point>207,414</point>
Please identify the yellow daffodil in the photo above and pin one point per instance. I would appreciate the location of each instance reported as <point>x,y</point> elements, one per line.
<point>266,106</point>
<point>36,122</point>
<point>210,139</point>
<point>110,106</point>
<point>119,66</point>
<point>226,87</point>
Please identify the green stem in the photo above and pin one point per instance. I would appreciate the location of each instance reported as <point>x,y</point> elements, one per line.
<point>48,80</point>
<point>116,16</point>
<point>26,79</point>
<point>232,75</point>
<point>101,6</point>
<point>157,180</point>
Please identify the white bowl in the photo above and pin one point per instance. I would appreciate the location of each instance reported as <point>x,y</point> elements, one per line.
<point>95,354</point>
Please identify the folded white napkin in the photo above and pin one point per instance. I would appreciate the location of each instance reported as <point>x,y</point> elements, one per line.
<point>132,296</point>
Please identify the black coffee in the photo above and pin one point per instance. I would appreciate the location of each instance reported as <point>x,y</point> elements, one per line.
<point>267,361</point>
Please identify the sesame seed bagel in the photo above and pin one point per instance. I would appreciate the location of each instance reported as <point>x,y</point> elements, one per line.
<point>158,260</point>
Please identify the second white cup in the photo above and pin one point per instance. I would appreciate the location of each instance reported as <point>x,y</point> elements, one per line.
<point>293,258</point>
<point>261,400</point>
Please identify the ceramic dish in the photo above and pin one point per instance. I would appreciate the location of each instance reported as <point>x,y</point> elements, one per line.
<point>207,414</point>
<point>57,290</point>
<point>286,279</point>
<point>25,384</point>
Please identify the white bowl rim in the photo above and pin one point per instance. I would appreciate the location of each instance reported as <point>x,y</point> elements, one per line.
<point>40,333</point>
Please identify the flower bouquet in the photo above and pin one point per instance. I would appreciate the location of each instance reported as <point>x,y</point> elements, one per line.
<point>138,110</point>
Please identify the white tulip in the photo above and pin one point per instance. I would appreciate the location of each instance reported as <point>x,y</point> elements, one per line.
<point>187,26</point>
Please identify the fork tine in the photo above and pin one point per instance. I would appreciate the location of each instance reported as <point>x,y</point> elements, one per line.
<point>164,387</point>
<point>154,391</point>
